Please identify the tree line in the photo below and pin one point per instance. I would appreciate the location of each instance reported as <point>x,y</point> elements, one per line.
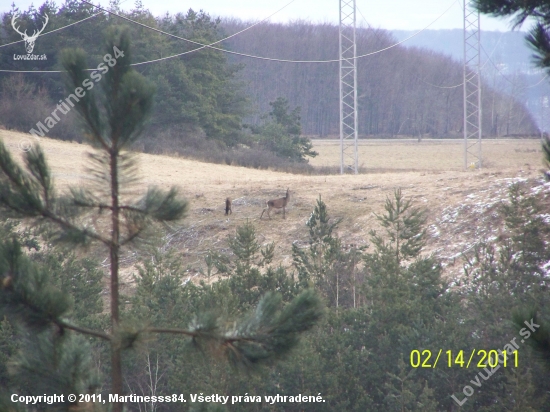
<point>401,91</point>
<point>207,101</point>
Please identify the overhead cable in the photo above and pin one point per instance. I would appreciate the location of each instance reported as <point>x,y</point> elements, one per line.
<point>53,31</point>
<point>481,68</point>
<point>151,61</point>
<point>442,87</point>
<point>261,57</point>
<point>511,81</point>
<point>210,46</point>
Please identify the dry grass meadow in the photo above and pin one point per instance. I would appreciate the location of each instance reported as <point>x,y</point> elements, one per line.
<point>431,155</point>
<point>461,203</point>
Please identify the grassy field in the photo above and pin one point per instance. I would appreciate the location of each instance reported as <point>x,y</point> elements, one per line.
<point>429,172</point>
<point>431,154</point>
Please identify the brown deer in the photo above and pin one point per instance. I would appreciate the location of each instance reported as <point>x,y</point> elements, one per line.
<point>277,204</point>
<point>228,206</point>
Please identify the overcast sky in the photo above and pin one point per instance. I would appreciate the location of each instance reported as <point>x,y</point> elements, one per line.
<point>387,14</point>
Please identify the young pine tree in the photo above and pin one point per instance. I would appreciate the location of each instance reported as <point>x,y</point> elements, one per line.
<point>282,135</point>
<point>249,270</point>
<point>404,227</point>
<point>326,262</point>
<point>407,394</point>
<point>105,212</point>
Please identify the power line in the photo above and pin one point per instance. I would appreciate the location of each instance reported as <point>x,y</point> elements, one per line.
<point>442,87</point>
<point>151,61</point>
<point>450,87</point>
<point>496,67</point>
<point>260,57</point>
<point>368,25</point>
<point>537,83</point>
<point>461,84</point>
<point>45,34</point>
<point>510,81</point>
<point>482,66</point>
<point>229,51</point>
<point>219,41</point>
<point>296,61</point>
<point>60,28</point>
<point>494,48</point>
<point>53,31</point>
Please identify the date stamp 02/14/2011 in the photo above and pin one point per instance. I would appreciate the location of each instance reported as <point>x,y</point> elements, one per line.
<point>481,358</point>
<point>475,358</point>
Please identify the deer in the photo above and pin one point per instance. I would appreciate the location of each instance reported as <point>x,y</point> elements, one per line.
<point>228,207</point>
<point>277,204</point>
<point>29,40</point>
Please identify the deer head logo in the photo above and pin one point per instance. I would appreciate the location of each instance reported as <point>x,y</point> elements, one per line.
<point>29,40</point>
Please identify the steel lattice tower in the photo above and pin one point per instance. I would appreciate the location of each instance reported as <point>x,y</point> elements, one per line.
<point>348,87</point>
<point>472,87</point>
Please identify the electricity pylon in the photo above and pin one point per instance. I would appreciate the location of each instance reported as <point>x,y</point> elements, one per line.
<point>348,87</point>
<point>472,87</point>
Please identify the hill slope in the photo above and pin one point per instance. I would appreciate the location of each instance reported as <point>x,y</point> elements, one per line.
<point>401,90</point>
<point>461,204</point>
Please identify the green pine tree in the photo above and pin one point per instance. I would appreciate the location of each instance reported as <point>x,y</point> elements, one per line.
<point>407,394</point>
<point>248,270</point>
<point>326,262</point>
<point>405,229</point>
<point>518,392</point>
<point>105,213</point>
<point>282,135</point>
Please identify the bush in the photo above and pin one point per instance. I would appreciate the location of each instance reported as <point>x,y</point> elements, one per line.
<point>193,144</point>
<point>23,104</point>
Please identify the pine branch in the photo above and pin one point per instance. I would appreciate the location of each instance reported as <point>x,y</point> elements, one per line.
<point>163,206</point>
<point>269,332</point>
<point>174,331</point>
<point>30,295</point>
<point>36,164</point>
<point>74,63</point>
<point>20,191</point>
<point>65,325</point>
<point>520,10</point>
<point>539,40</point>
<point>74,229</point>
<point>56,364</point>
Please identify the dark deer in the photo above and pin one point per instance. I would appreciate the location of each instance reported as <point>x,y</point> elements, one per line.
<point>277,204</point>
<point>228,206</point>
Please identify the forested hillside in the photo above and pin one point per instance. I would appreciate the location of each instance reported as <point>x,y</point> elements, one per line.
<point>205,97</point>
<point>506,61</point>
<point>507,49</point>
<point>196,94</point>
<point>401,90</point>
